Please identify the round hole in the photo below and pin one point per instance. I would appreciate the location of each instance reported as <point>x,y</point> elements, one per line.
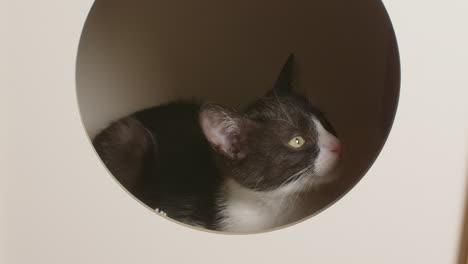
<point>139,54</point>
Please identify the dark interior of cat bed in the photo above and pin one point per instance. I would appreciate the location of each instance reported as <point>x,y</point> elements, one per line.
<point>135,55</point>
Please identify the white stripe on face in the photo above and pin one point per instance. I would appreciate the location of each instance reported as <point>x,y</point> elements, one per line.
<point>329,150</point>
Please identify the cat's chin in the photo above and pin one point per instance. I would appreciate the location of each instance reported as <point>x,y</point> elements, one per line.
<point>333,175</point>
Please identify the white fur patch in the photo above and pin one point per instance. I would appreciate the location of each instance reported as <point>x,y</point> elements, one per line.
<point>246,210</point>
<point>327,159</point>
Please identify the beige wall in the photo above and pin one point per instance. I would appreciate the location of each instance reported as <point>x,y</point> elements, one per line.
<point>60,206</point>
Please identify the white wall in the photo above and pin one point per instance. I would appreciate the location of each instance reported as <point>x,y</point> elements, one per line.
<point>59,206</point>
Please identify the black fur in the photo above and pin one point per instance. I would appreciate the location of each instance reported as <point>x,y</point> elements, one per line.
<point>173,170</point>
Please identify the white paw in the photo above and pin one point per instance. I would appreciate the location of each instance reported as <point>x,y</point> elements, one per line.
<point>160,211</point>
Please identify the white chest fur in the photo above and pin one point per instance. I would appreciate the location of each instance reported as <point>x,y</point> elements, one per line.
<point>245,210</point>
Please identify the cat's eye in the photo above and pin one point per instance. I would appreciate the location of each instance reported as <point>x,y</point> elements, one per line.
<point>297,142</point>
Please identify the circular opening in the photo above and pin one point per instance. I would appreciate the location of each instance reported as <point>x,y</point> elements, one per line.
<point>139,54</point>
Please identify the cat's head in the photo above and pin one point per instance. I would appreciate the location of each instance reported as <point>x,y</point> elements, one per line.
<point>280,142</point>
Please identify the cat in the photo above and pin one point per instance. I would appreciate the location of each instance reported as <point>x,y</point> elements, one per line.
<point>208,165</point>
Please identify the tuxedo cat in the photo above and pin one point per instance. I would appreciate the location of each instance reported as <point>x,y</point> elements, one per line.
<point>211,166</point>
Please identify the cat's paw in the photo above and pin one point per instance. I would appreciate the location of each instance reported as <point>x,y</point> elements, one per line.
<point>160,212</point>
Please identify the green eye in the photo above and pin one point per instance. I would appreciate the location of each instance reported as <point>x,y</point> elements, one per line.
<point>296,142</point>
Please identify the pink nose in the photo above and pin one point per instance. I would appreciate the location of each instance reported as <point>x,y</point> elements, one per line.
<point>336,147</point>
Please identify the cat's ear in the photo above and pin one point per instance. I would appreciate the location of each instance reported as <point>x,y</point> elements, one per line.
<point>225,130</point>
<point>284,83</point>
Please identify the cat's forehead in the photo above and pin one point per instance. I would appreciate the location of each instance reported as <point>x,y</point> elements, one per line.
<point>281,108</point>
<point>294,109</point>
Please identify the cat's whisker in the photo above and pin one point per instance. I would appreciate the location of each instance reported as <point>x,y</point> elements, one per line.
<point>300,175</point>
<point>261,178</point>
<point>291,179</point>
<point>295,199</point>
<point>296,176</point>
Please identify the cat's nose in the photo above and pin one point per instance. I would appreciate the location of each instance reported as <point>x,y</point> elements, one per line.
<point>336,147</point>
